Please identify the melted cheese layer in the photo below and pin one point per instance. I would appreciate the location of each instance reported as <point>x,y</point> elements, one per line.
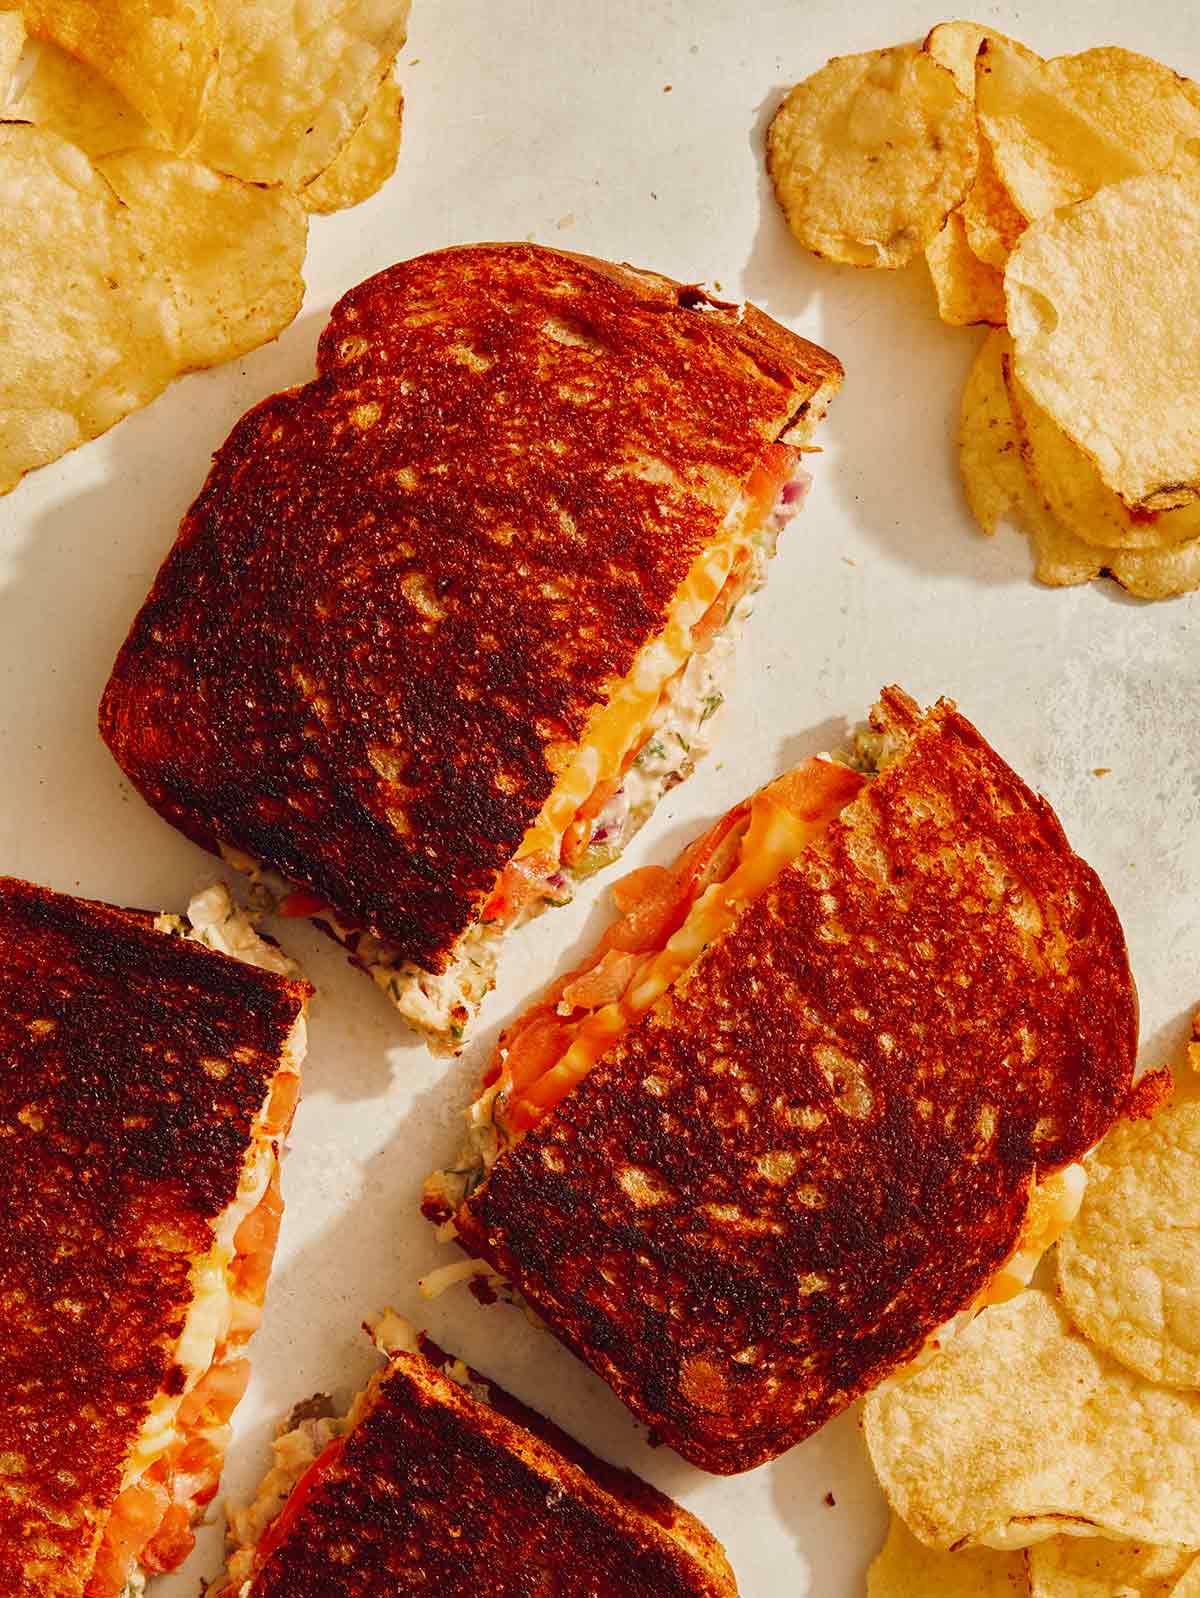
<point>615,728</point>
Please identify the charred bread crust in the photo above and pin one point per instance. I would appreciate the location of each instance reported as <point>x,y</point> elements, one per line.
<point>436,1490</point>
<point>833,1122</point>
<point>362,663</point>
<point>134,1064</point>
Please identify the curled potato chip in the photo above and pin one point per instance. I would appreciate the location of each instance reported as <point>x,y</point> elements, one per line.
<point>12,42</point>
<point>1048,151</point>
<point>993,223</point>
<point>294,83</point>
<point>989,450</point>
<point>956,44</point>
<point>160,57</point>
<point>1074,491</point>
<point>870,154</point>
<point>1101,304</point>
<point>998,485</point>
<point>1095,1567</point>
<point>905,1568</point>
<point>1062,559</point>
<point>968,290</point>
<point>366,163</point>
<point>1144,104</point>
<point>989,447</point>
<point>1021,1430</point>
<point>1129,1271</point>
<point>104,299</point>
<point>70,98</point>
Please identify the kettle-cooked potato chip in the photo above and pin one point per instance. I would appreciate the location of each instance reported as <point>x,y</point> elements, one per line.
<point>367,162</point>
<point>989,450</point>
<point>1143,103</point>
<point>1101,304</point>
<point>12,42</point>
<point>160,57</point>
<point>992,221</point>
<point>1129,1271</point>
<point>995,481</point>
<point>65,329</point>
<point>1074,492</point>
<point>1062,559</point>
<point>218,260</point>
<point>998,485</point>
<point>70,98</point>
<point>1095,1567</point>
<point>294,83</point>
<point>968,290</point>
<point>1021,1430</point>
<point>905,1568</point>
<point>956,44</point>
<point>103,302</point>
<point>870,155</point>
<point>1048,151</point>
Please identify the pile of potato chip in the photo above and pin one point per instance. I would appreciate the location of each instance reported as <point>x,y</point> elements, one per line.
<point>157,167</point>
<point>1058,201</point>
<point>1053,1449</point>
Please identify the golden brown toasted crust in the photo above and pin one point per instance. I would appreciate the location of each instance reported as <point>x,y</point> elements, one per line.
<point>132,1065</point>
<point>839,1111</point>
<point>436,1491</point>
<point>406,585</point>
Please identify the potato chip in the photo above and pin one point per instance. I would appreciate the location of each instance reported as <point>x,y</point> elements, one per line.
<point>989,448</point>
<point>1143,103</point>
<point>956,44</point>
<point>1021,1430</point>
<point>218,260</point>
<point>998,485</point>
<point>367,162</point>
<point>871,154</point>
<point>905,1568</point>
<point>103,302</point>
<point>12,42</point>
<point>967,290</point>
<point>1129,1271</point>
<point>1101,304</point>
<point>161,57</point>
<point>1188,1585</point>
<point>1094,1567</point>
<point>1062,559</point>
<point>1048,151</point>
<point>1074,492</point>
<point>993,223</point>
<point>994,478</point>
<point>294,84</point>
<point>66,330</point>
<point>68,97</point>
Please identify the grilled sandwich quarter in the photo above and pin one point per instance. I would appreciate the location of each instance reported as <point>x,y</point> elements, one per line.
<point>444,623</point>
<point>436,1481</point>
<point>820,1094</point>
<point>149,1071</point>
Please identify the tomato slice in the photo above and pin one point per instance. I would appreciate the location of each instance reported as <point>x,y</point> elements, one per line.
<point>300,1494</point>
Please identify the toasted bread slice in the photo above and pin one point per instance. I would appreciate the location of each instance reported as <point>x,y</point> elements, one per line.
<point>439,1481</point>
<point>430,608</point>
<point>147,1083</point>
<point>825,1140</point>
